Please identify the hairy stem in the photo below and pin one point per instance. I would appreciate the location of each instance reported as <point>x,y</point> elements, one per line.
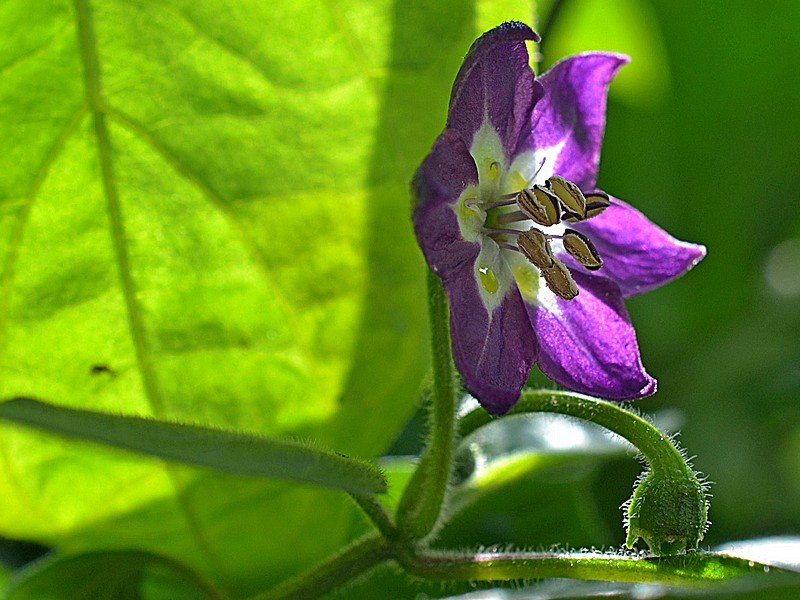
<point>377,515</point>
<point>422,501</point>
<point>685,570</point>
<point>358,558</point>
<point>668,508</point>
<point>656,447</point>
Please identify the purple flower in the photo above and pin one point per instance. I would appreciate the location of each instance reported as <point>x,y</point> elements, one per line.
<point>535,261</point>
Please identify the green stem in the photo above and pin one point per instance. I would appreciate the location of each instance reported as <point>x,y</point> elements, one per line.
<point>358,558</point>
<point>422,501</point>
<point>684,570</point>
<point>668,508</point>
<point>656,447</point>
<point>377,515</point>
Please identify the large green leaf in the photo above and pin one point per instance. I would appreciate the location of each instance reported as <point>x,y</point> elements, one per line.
<point>204,217</point>
<point>109,576</point>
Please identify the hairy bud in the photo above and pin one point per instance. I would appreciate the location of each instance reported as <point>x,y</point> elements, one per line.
<point>669,511</point>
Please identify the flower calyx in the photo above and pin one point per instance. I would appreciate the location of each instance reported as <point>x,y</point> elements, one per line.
<point>669,511</point>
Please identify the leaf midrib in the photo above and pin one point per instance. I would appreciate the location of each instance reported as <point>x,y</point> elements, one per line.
<point>95,101</point>
<point>94,98</point>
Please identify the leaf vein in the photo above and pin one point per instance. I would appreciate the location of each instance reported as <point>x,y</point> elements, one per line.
<point>232,50</point>
<point>350,39</point>
<point>138,130</point>
<point>35,52</point>
<point>88,49</point>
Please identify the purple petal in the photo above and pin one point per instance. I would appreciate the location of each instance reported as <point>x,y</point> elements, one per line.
<point>438,183</point>
<point>492,351</point>
<point>572,114</point>
<point>588,344</point>
<point>637,254</point>
<point>495,80</point>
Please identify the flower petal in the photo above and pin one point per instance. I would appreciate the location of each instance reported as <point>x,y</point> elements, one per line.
<point>637,254</point>
<point>493,345</point>
<point>439,182</point>
<point>570,117</point>
<point>495,80</point>
<point>588,344</point>
<point>493,349</point>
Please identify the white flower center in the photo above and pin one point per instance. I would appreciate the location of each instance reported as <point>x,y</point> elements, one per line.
<point>517,213</point>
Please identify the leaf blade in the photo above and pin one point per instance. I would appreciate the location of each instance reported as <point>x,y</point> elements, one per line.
<point>218,449</point>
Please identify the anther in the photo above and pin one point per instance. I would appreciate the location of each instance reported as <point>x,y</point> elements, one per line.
<point>569,194</point>
<point>582,249</point>
<point>540,204</point>
<point>596,203</point>
<point>536,248</point>
<point>560,281</point>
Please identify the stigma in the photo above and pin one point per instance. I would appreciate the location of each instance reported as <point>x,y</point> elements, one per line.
<point>533,219</point>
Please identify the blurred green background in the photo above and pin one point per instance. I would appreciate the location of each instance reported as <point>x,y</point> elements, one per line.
<point>268,146</point>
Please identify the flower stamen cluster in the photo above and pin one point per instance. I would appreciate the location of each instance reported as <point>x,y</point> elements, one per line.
<point>549,205</point>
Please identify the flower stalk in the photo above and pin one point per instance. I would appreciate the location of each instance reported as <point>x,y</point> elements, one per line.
<point>668,509</point>
<point>421,504</point>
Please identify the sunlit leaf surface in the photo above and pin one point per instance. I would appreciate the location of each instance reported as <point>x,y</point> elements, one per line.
<point>204,217</point>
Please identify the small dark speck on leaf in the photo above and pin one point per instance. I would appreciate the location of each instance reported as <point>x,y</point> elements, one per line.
<point>100,369</point>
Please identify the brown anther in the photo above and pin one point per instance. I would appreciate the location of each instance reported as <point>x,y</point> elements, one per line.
<point>596,202</point>
<point>582,249</point>
<point>540,204</point>
<point>559,280</point>
<point>569,194</point>
<point>536,248</point>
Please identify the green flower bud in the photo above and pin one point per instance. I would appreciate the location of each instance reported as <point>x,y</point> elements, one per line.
<point>669,511</point>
